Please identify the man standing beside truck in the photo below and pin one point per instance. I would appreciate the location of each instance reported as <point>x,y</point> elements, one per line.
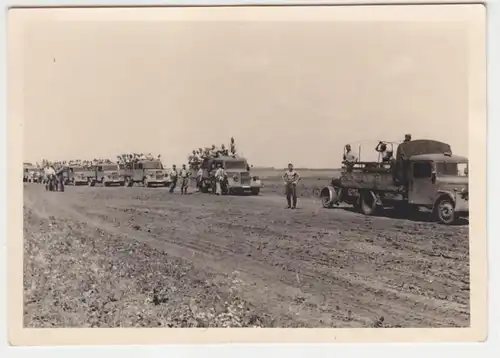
<point>291,178</point>
<point>173,178</point>
<point>185,175</point>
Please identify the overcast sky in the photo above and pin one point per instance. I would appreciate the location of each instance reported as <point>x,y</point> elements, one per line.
<point>287,92</point>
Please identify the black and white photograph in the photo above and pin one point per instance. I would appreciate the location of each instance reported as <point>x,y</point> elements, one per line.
<point>250,167</point>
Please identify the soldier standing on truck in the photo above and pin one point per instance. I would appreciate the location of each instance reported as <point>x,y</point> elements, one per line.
<point>349,157</point>
<point>291,178</point>
<point>185,174</point>
<point>173,178</point>
<point>232,147</point>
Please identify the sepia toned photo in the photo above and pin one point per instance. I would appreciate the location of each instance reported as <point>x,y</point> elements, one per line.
<point>314,167</point>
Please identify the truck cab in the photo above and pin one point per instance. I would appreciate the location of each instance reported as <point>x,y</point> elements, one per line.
<point>107,174</point>
<point>239,179</point>
<point>78,175</point>
<point>440,182</point>
<point>147,172</point>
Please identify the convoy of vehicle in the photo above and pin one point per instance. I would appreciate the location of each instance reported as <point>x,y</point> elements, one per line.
<point>424,174</point>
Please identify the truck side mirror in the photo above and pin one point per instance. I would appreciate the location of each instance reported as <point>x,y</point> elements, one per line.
<point>466,171</point>
<point>433,177</point>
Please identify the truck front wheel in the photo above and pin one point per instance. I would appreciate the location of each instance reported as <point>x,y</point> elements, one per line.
<point>445,211</point>
<point>367,203</point>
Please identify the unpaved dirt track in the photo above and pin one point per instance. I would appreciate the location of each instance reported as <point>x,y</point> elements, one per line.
<point>109,257</point>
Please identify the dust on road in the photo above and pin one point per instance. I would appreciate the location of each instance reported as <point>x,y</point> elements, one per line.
<point>110,257</point>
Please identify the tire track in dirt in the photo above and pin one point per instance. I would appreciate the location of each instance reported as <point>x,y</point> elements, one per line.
<point>341,273</point>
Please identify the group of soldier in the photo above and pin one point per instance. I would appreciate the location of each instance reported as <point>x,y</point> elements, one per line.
<point>290,178</point>
<point>198,155</point>
<point>386,153</point>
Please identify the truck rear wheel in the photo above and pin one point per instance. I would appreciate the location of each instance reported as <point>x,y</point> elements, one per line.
<point>445,211</point>
<point>367,202</point>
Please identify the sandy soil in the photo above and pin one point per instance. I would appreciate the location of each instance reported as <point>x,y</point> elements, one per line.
<point>134,257</point>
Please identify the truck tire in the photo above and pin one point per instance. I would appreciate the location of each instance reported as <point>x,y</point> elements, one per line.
<point>255,191</point>
<point>367,202</point>
<point>445,211</point>
<point>329,196</point>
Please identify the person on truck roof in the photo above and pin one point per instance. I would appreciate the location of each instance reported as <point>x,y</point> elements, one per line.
<point>407,138</point>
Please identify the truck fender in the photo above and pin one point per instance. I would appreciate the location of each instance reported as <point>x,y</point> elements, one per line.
<point>443,195</point>
<point>328,196</point>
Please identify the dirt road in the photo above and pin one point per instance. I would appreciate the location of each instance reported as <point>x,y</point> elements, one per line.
<point>104,257</point>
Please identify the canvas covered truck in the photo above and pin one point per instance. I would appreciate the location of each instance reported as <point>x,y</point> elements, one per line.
<point>239,179</point>
<point>146,172</point>
<point>424,174</point>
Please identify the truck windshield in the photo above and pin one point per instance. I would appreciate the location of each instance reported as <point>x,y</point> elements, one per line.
<point>152,165</point>
<point>237,164</point>
<point>452,169</point>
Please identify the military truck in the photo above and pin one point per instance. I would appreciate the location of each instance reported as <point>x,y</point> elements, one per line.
<point>239,179</point>
<point>28,171</point>
<point>424,174</point>
<point>148,172</point>
<point>32,175</point>
<point>105,174</point>
<point>79,175</point>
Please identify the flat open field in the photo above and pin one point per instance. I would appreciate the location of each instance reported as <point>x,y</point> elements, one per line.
<point>140,257</point>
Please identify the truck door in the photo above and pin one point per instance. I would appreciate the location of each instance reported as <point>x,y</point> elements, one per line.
<point>421,189</point>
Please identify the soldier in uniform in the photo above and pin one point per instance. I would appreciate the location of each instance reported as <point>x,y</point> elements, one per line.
<point>185,174</point>
<point>173,178</point>
<point>407,138</point>
<point>349,157</point>
<point>220,176</point>
<point>232,147</point>
<point>291,178</point>
<point>199,177</point>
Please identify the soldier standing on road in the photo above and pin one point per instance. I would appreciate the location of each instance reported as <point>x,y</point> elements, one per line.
<point>173,178</point>
<point>199,177</point>
<point>220,176</point>
<point>291,178</point>
<point>185,174</point>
